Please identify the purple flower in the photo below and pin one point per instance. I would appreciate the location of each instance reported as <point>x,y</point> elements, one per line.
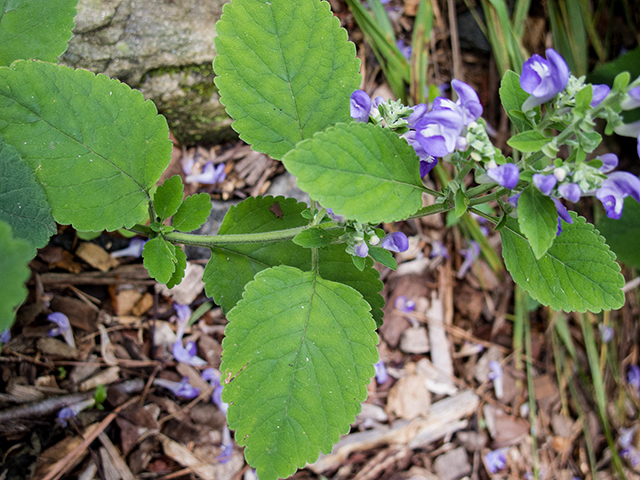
<point>361,249</point>
<point>606,333</point>
<point>563,214</point>
<point>427,161</point>
<point>438,131</point>
<point>633,377</point>
<point>226,446</point>
<point>187,165</point>
<point>600,92</point>
<point>71,411</point>
<point>405,49</point>
<point>381,372</point>
<point>427,165</point>
<point>5,336</point>
<point>210,175</point>
<point>396,242</point>
<point>212,376</point>
<point>182,389</point>
<point>628,451</point>
<point>570,191</point>
<point>513,200</point>
<point>496,460</point>
<point>615,189</point>
<point>496,375</point>
<point>133,250</point>
<point>632,100</point>
<point>468,101</point>
<point>184,314</point>
<point>335,217</point>
<point>360,106</point>
<point>438,250</point>
<point>187,354</point>
<point>417,114</point>
<point>404,305</point>
<point>609,162</point>
<point>470,256</point>
<point>543,79</point>
<point>63,328</point>
<point>505,175</point>
<point>544,183</point>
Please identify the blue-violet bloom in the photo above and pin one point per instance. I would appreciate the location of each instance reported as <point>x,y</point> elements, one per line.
<point>505,175</point>
<point>600,92</point>
<point>544,183</point>
<point>543,79</point>
<point>212,376</point>
<point>470,255</point>
<point>438,250</point>
<point>395,242</point>
<point>417,113</point>
<point>361,249</point>
<point>5,336</point>
<point>570,191</point>
<point>184,314</point>
<point>381,372</point>
<point>210,175</point>
<point>563,214</point>
<point>182,389</point>
<point>438,131</point>
<point>468,101</point>
<point>405,49</point>
<point>360,106</point>
<point>71,411</point>
<point>187,354</point>
<point>609,162</point>
<point>133,250</point>
<point>632,100</point>
<point>496,460</point>
<point>63,328</point>
<point>226,446</point>
<point>633,377</point>
<point>403,304</point>
<point>496,375</point>
<point>630,130</point>
<point>615,189</point>
<point>628,450</point>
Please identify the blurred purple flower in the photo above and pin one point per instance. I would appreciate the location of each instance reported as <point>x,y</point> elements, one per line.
<point>468,101</point>
<point>187,165</point>
<point>212,376</point>
<point>633,377</point>
<point>496,460</point>
<point>187,354</point>
<point>606,333</point>
<point>438,250</point>
<point>381,372</point>
<point>630,130</point>
<point>5,336</point>
<point>543,79</point>
<point>609,162</point>
<point>513,200</point>
<point>184,314</point>
<point>505,175</point>
<point>496,375</point>
<point>404,305</point>
<point>395,242</point>
<point>182,389</point>
<point>210,175</point>
<point>360,106</point>
<point>438,131</point>
<point>544,183</point>
<point>63,328</point>
<point>361,249</point>
<point>427,161</point>
<point>71,411</point>
<point>570,191</point>
<point>632,100</point>
<point>470,255</point>
<point>628,450</point>
<point>133,250</point>
<point>405,49</point>
<point>615,189</point>
<point>600,92</point>
<point>336,218</point>
<point>226,446</point>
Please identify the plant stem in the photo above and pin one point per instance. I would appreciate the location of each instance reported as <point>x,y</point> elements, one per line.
<point>532,398</point>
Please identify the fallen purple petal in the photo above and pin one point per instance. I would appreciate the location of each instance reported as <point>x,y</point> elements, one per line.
<point>63,328</point>
<point>210,175</point>
<point>216,398</point>
<point>182,389</point>
<point>381,372</point>
<point>633,377</point>
<point>133,250</point>
<point>496,460</point>
<point>470,255</point>
<point>187,355</point>
<point>497,377</point>
<point>403,304</point>
<point>226,446</point>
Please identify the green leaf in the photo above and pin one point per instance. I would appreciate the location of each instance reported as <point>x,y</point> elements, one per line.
<point>313,238</point>
<point>38,30</point>
<point>193,212</point>
<point>623,234</point>
<point>578,272</point>
<point>385,257</point>
<point>181,265</point>
<point>95,145</point>
<point>538,219</point>
<point>584,96</point>
<point>285,70</point>
<point>159,258</point>
<point>231,267</point>
<point>512,97</point>
<point>300,350</point>
<point>461,202</point>
<point>168,197</point>
<point>361,171</point>
<point>530,141</point>
<point>23,204</point>
<point>15,255</point>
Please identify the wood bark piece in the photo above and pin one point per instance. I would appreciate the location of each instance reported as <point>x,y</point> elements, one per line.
<point>440,346</point>
<point>190,287</point>
<point>134,274</point>
<point>118,462</point>
<point>184,457</point>
<point>96,256</point>
<point>453,465</point>
<point>409,398</point>
<point>444,417</point>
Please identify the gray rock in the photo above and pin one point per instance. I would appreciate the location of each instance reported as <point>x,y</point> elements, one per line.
<point>286,186</point>
<point>162,47</point>
<point>219,209</point>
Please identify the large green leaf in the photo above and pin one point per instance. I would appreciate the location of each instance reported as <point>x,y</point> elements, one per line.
<point>361,171</point>
<point>32,29</point>
<point>15,255</point>
<point>23,204</point>
<point>538,219</point>
<point>285,70</point>
<point>95,145</point>
<point>300,350</point>
<point>231,267</point>
<point>622,234</point>
<point>578,272</point>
